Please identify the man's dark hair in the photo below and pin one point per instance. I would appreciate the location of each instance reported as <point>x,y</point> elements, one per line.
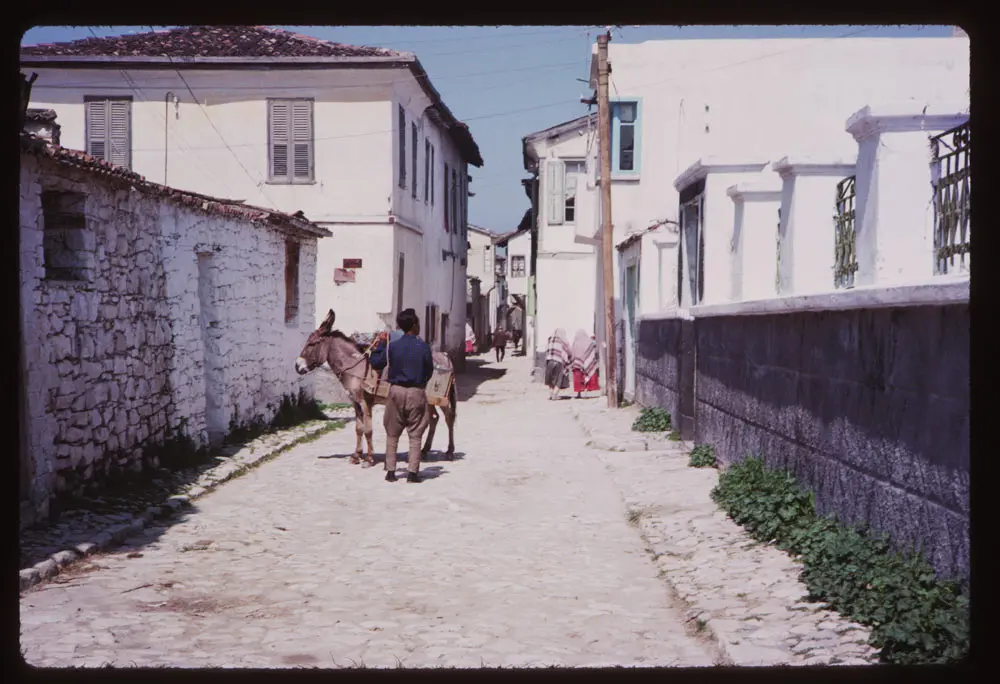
<point>407,320</point>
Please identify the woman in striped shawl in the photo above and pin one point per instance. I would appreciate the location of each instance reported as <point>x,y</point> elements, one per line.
<point>584,363</point>
<point>557,360</point>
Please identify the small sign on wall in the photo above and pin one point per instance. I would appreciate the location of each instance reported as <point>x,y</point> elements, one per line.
<point>352,263</point>
<point>343,275</point>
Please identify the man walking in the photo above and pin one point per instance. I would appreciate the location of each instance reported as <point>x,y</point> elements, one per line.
<point>410,368</point>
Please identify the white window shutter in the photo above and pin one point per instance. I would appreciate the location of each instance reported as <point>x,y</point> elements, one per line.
<point>280,138</point>
<point>556,193</point>
<point>97,128</point>
<point>302,134</point>
<point>119,142</point>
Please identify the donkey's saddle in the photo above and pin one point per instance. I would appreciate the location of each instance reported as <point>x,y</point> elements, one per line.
<point>438,387</point>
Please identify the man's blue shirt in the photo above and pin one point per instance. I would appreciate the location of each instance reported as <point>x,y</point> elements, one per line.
<point>410,361</point>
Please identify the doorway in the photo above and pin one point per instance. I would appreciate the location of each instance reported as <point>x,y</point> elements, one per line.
<point>631,294</point>
<point>215,409</point>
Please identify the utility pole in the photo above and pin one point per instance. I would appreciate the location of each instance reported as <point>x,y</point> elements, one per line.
<point>607,231</point>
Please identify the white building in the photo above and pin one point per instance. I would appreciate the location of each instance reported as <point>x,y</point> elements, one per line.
<point>568,217</point>
<point>357,138</point>
<point>694,119</point>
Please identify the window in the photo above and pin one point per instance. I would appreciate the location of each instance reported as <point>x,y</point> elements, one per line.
<point>290,141</point>
<point>399,284</point>
<point>402,147</point>
<point>447,204</point>
<point>575,171</point>
<point>108,127</point>
<point>291,280</point>
<point>427,168</point>
<point>430,323</point>
<point>691,255</point>
<point>454,201</point>
<point>486,259</point>
<point>624,137</point>
<point>432,175</point>
<point>444,331</point>
<point>517,266</point>
<point>413,129</point>
<point>67,245</point>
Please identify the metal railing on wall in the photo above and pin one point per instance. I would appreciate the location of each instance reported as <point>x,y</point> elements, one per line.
<point>845,254</point>
<point>952,183</point>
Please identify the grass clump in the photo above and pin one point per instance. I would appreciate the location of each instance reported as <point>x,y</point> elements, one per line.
<point>653,419</point>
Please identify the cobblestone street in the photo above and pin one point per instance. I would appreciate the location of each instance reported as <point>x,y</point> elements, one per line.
<point>518,553</point>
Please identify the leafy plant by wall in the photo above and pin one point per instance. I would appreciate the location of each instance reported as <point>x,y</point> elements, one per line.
<point>652,420</point>
<point>916,618</point>
<point>702,456</point>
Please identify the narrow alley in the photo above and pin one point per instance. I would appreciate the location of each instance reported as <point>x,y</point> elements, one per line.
<point>517,553</point>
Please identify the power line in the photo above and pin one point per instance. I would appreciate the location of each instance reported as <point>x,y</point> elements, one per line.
<point>257,184</point>
<point>533,67</point>
<point>138,92</point>
<point>558,103</point>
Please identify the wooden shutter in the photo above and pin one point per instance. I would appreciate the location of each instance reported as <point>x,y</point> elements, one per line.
<point>119,135</point>
<point>399,284</point>
<point>433,161</point>
<point>447,204</point>
<point>427,167</point>
<point>280,134</point>
<point>413,130</point>
<point>302,136</point>
<point>455,219</point>
<point>97,128</point>
<point>555,180</point>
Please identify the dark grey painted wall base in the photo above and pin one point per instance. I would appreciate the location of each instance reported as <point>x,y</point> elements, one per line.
<point>868,408</point>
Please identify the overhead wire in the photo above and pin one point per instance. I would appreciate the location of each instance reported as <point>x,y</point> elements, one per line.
<point>563,102</point>
<point>139,93</point>
<point>259,184</point>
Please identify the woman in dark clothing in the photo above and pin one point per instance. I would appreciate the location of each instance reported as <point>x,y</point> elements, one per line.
<point>500,344</point>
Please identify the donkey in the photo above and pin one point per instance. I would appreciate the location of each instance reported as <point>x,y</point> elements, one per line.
<point>350,363</point>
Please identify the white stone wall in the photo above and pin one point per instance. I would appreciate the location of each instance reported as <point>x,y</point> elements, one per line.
<point>114,362</point>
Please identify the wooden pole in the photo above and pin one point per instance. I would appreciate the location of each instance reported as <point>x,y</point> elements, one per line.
<point>607,230</point>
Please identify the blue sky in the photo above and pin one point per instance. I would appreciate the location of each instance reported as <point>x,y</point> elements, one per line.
<point>508,81</point>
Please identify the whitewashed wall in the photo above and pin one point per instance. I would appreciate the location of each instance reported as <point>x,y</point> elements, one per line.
<point>113,364</point>
<point>701,97</point>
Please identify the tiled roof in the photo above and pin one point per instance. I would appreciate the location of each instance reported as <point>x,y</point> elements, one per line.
<point>207,41</point>
<point>214,205</point>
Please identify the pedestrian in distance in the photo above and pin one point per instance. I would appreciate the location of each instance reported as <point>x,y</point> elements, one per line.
<point>500,344</point>
<point>558,357</point>
<point>585,370</point>
<point>410,367</point>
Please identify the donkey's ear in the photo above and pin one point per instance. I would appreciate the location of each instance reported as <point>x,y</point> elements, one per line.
<point>327,323</point>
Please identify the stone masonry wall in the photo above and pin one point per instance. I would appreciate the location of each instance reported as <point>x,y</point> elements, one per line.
<point>664,369</point>
<point>869,408</point>
<point>97,349</point>
<point>116,360</point>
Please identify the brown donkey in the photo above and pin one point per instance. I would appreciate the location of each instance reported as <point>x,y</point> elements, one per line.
<point>349,362</point>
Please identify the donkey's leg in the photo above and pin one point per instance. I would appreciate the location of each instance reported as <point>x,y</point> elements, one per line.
<point>431,427</point>
<point>450,414</point>
<point>369,406</point>
<point>449,419</point>
<point>359,428</point>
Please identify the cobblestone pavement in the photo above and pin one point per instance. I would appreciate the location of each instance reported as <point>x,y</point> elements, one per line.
<point>517,553</point>
<point>748,595</point>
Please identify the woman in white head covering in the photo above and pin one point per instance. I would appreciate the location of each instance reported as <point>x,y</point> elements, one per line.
<point>584,363</point>
<point>557,360</point>
<point>470,339</point>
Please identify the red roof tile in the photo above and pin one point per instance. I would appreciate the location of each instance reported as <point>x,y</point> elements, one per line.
<point>207,41</point>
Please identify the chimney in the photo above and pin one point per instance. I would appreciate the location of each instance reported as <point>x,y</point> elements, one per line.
<point>42,124</point>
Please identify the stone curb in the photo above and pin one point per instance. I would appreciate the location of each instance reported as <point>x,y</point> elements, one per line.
<point>115,535</point>
<point>600,440</point>
<point>718,624</point>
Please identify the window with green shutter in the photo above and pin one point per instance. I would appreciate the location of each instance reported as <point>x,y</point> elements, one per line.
<point>109,129</point>
<point>290,141</point>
